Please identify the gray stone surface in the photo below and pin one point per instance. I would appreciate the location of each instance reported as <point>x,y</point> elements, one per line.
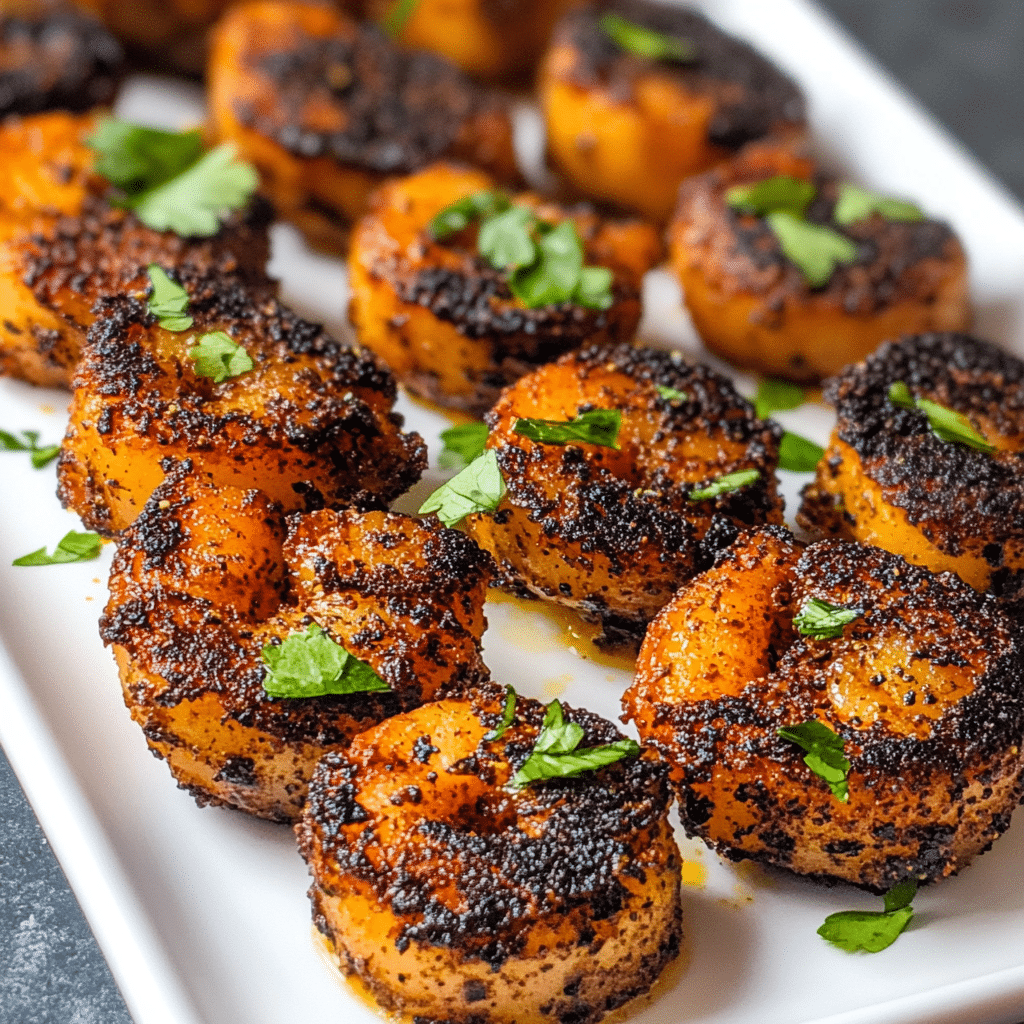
<point>964,59</point>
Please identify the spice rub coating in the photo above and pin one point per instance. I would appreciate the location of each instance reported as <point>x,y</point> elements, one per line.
<point>52,280</point>
<point>55,58</point>
<point>445,320</point>
<point>454,897</point>
<point>613,533</point>
<point>628,129</point>
<point>327,108</point>
<point>923,688</point>
<point>754,307</point>
<point>311,424</point>
<point>888,479</point>
<point>208,575</point>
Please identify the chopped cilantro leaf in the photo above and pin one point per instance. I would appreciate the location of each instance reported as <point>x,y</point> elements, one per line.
<point>799,454</point>
<point>725,483</point>
<point>72,547</point>
<point>217,356</point>
<point>462,444</point>
<point>598,426</point>
<point>871,931</point>
<point>777,396</point>
<point>506,719</point>
<point>478,488</point>
<point>815,250</point>
<point>856,204</point>
<point>824,754</point>
<point>773,195</point>
<point>645,42</point>
<point>311,664</point>
<point>135,158</point>
<point>398,17</point>
<point>168,301</point>
<point>40,455</point>
<point>823,621</point>
<point>947,424</point>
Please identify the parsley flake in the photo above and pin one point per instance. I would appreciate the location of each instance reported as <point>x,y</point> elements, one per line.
<point>506,719</point>
<point>645,42</point>
<point>856,204</point>
<point>815,250</point>
<point>72,547</point>
<point>773,195</point>
<point>398,17</point>
<point>823,621</point>
<point>218,356</point>
<point>41,455</point>
<point>555,754</point>
<point>311,664</point>
<point>799,454</point>
<point>777,396</point>
<point>670,394</point>
<point>462,444</point>
<point>725,483</point>
<point>478,488</point>
<point>947,424</point>
<point>167,180</point>
<point>168,301</point>
<point>598,426</point>
<point>824,754</point>
<point>872,930</point>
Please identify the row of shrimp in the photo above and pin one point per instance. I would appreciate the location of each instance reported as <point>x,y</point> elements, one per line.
<point>295,650</point>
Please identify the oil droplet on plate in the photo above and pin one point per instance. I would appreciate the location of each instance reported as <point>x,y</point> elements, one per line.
<point>694,873</point>
<point>556,687</point>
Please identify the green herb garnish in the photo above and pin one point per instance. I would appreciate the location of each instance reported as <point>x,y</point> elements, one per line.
<point>398,17</point>
<point>167,180</point>
<point>478,488</point>
<point>799,454</point>
<point>506,719</point>
<point>824,754</point>
<point>555,754</point>
<point>462,444</point>
<point>598,426</point>
<point>724,484</point>
<point>773,195</point>
<point>946,424</point>
<point>817,251</point>
<point>168,301</point>
<point>670,394</point>
<point>218,356</point>
<point>856,204</point>
<point>72,547</point>
<point>311,664</point>
<point>463,212</point>
<point>544,262</point>
<point>41,455</point>
<point>823,621</point>
<point>872,930</point>
<point>777,396</point>
<point>645,42</point>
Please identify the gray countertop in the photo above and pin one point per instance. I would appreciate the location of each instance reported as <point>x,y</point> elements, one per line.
<point>964,59</point>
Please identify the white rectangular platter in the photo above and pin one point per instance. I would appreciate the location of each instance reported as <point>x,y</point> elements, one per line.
<point>202,913</point>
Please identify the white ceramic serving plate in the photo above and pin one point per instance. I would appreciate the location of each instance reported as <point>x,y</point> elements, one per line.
<point>202,913</point>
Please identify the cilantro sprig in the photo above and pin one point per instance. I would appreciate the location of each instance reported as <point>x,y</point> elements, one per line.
<point>72,547</point>
<point>598,426</point>
<point>556,752</point>
<point>311,664</point>
<point>166,179</point>
<point>462,444</point>
<point>947,424</point>
<point>507,718</point>
<point>825,755</point>
<point>645,42</point>
<point>41,455</point>
<point>544,262</point>
<point>871,931</point>
<point>218,356</point>
<point>168,301</point>
<point>855,203</point>
<point>821,620</point>
<point>725,483</point>
<point>478,488</point>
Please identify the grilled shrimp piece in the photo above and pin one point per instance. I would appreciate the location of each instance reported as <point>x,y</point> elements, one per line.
<point>628,129</point>
<point>888,479</point>
<point>310,423</point>
<point>445,320</point>
<point>487,39</point>
<point>63,247</point>
<point>327,108</point>
<point>454,897</point>
<point>922,687</point>
<point>208,576</point>
<point>754,307</point>
<point>613,533</point>
<point>52,57</point>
